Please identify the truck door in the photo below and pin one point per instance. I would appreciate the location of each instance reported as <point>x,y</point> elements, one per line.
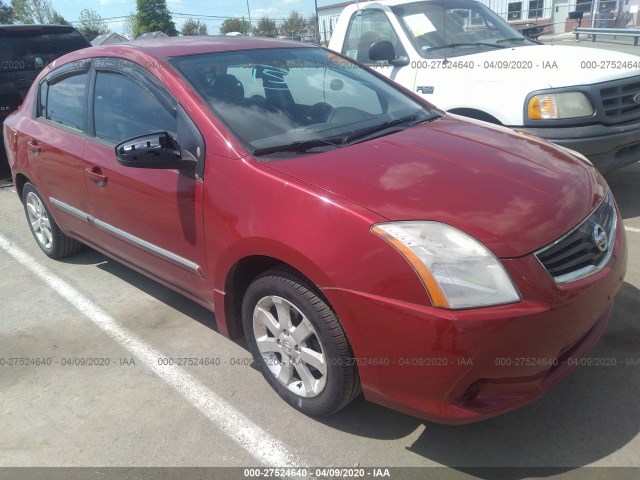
<point>371,25</point>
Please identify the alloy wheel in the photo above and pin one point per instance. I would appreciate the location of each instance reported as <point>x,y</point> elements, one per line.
<point>290,346</point>
<point>39,220</point>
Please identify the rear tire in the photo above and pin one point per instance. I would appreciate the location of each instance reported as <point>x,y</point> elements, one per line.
<point>51,240</point>
<point>299,344</point>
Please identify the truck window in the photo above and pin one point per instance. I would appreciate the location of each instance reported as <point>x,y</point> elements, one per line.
<point>366,27</point>
<point>467,26</point>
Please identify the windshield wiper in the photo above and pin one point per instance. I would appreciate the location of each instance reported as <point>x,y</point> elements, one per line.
<point>514,39</point>
<point>305,145</point>
<point>456,45</point>
<point>298,147</point>
<point>359,135</point>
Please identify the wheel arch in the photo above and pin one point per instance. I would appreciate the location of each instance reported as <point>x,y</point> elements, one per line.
<point>20,181</point>
<point>239,275</point>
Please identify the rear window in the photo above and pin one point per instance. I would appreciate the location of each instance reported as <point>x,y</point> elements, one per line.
<point>32,49</point>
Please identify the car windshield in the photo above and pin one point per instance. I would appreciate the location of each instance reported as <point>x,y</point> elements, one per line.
<point>286,101</point>
<point>455,27</point>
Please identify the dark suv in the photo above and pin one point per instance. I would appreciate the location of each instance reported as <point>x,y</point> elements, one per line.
<point>24,51</point>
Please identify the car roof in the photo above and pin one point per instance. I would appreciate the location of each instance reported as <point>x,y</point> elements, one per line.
<point>23,27</point>
<point>190,45</point>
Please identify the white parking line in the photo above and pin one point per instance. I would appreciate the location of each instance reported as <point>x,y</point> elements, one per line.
<point>257,442</point>
<point>632,229</point>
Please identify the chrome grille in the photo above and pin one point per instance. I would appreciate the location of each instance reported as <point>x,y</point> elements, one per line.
<point>618,100</point>
<point>577,255</point>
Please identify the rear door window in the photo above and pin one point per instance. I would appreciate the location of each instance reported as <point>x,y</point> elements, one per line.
<point>63,101</point>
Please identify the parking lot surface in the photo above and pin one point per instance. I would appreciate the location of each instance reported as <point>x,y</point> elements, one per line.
<point>132,410</point>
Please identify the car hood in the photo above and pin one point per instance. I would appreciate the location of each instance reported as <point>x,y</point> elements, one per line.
<point>513,192</point>
<point>551,66</point>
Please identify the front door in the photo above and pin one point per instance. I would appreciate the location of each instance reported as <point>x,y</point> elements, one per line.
<point>151,218</point>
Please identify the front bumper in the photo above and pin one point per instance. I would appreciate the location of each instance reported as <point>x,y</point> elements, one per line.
<point>463,366</point>
<point>608,147</point>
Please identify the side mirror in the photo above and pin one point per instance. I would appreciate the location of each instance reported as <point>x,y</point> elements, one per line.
<point>383,50</point>
<point>155,150</point>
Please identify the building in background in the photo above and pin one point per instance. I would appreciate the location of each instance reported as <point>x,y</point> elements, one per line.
<point>327,18</point>
<point>150,35</point>
<point>108,39</point>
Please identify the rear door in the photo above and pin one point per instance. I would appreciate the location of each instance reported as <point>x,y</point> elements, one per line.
<point>55,140</point>
<point>151,218</point>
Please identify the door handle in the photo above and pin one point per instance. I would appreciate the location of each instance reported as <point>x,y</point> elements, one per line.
<point>95,174</point>
<point>32,146</point>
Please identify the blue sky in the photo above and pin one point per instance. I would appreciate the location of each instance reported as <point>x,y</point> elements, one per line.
<point>276,9</point>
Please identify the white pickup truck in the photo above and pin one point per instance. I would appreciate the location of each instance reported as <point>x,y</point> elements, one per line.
<point>462,57</point>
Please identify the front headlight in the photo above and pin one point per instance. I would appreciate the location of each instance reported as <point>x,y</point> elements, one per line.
<point>554,106</point>
<point>456,269</point>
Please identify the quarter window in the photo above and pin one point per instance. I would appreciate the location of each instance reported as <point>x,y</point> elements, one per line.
<point>123,109</point>
<point>63,101</point>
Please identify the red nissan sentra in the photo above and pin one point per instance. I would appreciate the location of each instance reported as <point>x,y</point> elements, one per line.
<point>360,238</point>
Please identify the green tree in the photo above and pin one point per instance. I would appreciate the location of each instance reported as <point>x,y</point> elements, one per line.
<point>235,25</point>
<point>36,11</point>
<point>294,26</point>
<point>6,13</point>
<point>194,27</point>
<point>266,28</point>
<point>312,27</point>
<point>57,19</point>
<point>92,24</point>
<point>152,16</point>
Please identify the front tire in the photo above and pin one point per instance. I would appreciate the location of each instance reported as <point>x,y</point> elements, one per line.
<point>51,240</point>
<point>299,344</point>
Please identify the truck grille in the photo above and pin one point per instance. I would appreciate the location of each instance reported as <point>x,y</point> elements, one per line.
<point>618,100</point>
<point>585,249</point>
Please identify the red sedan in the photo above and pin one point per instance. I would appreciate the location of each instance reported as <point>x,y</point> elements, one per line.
<point>358,237</point>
